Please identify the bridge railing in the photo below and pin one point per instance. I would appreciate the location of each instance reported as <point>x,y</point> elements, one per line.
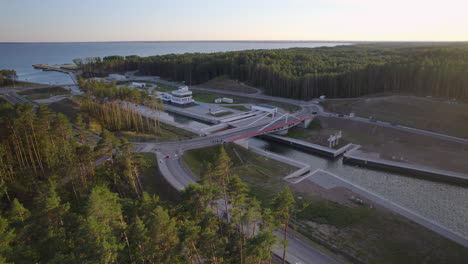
<point>266,130</point>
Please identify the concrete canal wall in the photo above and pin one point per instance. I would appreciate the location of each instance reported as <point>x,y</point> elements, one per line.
<point>300,144</point>
<point>303,168</point>
<point>352,157</point>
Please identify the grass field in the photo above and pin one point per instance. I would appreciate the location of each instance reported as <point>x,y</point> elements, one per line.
<point>210,97</point>
<point>162,87</point>
<point>207,97</point>
<point>36,94</point>
<point>237,107</point>
<point>221,114</point>
<point>441,116</point>
<point>316,134</point>
<point>226,84</point>
<point>373,235</point>
<point>21,84</point>
<point>256,170</point>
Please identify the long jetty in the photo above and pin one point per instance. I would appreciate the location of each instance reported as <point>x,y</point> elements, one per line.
<point>46,67</point>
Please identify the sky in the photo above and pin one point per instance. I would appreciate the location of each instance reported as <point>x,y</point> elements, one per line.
<point>179,20</point>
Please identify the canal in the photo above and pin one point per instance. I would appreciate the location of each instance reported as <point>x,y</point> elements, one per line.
<point>443,203</point>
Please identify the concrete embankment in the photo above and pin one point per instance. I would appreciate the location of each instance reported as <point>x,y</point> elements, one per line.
<point>304,169</point>
<point>318,149</point>
<point>328,180</point>
<point>151,114</point>
<point>174,109</point>
<point>352,157</point>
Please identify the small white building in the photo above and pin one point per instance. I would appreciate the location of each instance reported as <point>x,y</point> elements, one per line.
<point>182,96</point>
<point>116,77</point>
<point>138,85</point>
<point>218,100</point>
<point>322,97</point>
<point>228,100</point>
<point>273,110</point>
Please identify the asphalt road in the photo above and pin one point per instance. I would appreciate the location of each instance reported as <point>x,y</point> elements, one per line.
<point>13,98</point>
<point>299,251</point>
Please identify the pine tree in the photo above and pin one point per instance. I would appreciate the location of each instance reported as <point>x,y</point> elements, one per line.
<point>163,247</point>
<point>48,227</point>
<point>282,208</point>
<point>103,227</point>
<point>221,176</point>
<point>18,213</point>
<point>7,237</point>
<point>81,126</point>
<point>138,239</point>
<point>258,249</point>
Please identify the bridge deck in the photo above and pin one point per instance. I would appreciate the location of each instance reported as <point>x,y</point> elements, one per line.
<point>269,129</point>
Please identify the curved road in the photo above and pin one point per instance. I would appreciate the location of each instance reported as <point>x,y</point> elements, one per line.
<point>173,169</point>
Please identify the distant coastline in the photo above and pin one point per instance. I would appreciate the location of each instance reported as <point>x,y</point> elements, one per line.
<point>349,42</point>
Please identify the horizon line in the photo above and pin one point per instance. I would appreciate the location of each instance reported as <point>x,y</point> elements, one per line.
<point>213,41</point>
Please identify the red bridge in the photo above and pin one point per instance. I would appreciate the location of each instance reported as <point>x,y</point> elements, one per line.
<point>270,129</point>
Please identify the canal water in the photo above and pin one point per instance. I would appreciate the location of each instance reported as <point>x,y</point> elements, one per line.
<point>443,203</point>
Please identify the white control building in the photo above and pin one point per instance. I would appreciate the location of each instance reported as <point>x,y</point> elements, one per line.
<point>182,97</point>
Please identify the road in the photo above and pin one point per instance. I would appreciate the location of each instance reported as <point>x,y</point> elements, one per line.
<point>10,94</point>
<point>299,250</point>
<point>171,165</point>
<point>321,111</point>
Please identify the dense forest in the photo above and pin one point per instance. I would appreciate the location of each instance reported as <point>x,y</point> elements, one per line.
<point>69,195</point>
<point>345,71</point>
<point>7,77</point>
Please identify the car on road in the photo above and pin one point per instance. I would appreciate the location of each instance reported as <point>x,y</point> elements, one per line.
<point>167,157</point>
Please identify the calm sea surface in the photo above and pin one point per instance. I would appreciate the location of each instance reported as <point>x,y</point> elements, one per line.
<point>20,56</point>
